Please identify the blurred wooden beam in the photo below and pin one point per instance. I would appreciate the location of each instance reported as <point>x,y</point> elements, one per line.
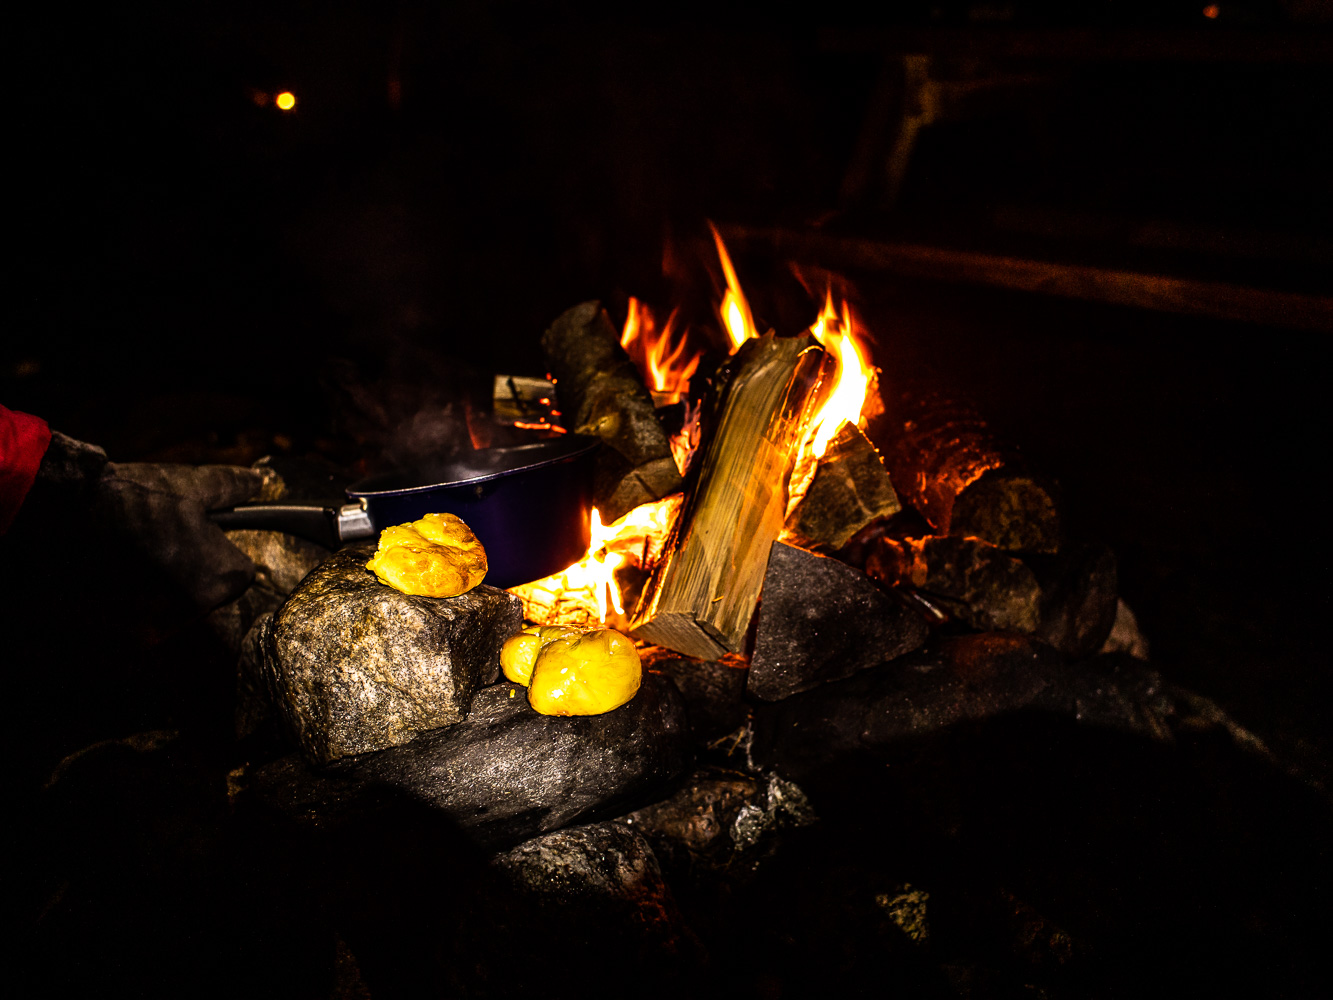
<point>1157,292</point>
<point>1304,45</point>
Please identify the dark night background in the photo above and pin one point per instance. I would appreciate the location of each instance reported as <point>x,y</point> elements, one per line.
<point>187,262</point>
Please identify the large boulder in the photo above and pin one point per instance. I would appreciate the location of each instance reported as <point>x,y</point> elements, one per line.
<point>506,773</point>
<point>355,666</point>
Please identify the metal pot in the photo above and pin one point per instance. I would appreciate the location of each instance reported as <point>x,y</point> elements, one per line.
<point>528,505</point>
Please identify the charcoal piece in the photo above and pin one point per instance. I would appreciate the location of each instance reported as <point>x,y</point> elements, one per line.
<point>506,773</point>
<point>1078,605</point>
<point>954,679</point>
<point>977,582</point>
<point>850,489</point>
<point>713,690</point>
<point>602,395</point>
<point>357,666</point>
<point>821,620</point>
<point>717,817</point>
<point>947,463</point>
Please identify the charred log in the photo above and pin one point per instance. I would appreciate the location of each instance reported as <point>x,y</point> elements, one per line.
<point>602,395</point>
<point>946,462</point>
<point>850,489</point>
<point>703,592</point>
<point>982,585</point>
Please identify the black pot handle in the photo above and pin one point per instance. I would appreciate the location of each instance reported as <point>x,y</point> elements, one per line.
<point>330,526</point>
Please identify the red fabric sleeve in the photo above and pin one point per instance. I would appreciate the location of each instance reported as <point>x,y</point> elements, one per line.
<point>23,442</point>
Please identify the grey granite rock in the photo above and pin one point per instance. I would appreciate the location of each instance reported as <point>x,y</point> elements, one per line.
<point>281,560</point>
<point>506,773</point>
<point>821,620</point>
<point>357,666</point>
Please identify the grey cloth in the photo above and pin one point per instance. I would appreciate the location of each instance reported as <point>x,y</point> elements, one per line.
<point>163,510</point>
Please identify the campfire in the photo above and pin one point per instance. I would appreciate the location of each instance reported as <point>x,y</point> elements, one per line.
<point>792,410</point>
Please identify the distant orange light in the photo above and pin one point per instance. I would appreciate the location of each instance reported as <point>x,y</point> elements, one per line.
<point>1211,11</point>
<point>285,101</point>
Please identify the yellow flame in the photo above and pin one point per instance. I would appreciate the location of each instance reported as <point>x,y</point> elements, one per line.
<point>285,101</point>
<point>851,375</point>
<point>735,310</point>
<point>665,369</point>
<point>587,593</point>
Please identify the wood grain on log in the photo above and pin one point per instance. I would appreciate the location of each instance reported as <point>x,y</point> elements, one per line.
<point>601,394</point>
<point>850,489</point>
<point>946,462</point>
<point>703,593</point>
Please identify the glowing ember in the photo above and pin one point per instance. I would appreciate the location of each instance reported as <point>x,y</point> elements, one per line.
<point>666,370</point>
<point>587,593</point>
<point>734,309</point>
<point>851,376</point>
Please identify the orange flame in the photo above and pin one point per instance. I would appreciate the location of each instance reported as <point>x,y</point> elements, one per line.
<point>851,375</point>
<point>588,593</point>
<point>735,310</point>
<point>666,370</point>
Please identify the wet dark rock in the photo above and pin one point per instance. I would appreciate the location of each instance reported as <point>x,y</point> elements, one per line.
<point>819,621</point>
<point>604,880</point>
<point>718,816</point>
<point>964,677</point>
<point>1078,598</point>
<point>713,690</point>
<point>506,773</point>
<point>357,666</point>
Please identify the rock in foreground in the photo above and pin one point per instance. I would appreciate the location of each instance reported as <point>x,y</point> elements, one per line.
<point>820,620</point>
<point>356,666</point>
<point>507,773</point>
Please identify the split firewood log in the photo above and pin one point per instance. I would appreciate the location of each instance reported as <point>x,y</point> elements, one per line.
<point>946,462</point>
<point>850,489</point>
<point>703,592</point>
<point>601,395</point>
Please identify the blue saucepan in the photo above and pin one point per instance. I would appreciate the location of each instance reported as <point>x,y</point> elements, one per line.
<point>529,505</point>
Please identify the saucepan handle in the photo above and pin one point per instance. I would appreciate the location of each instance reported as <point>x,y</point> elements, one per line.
<point>330,526</point>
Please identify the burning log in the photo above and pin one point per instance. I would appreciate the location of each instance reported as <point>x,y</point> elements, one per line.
<point>703,592</point>
<point>947,463</point>
<point>821,621</point>
<point>602,395</point>
<point>850,489</point>
<point>977,582</point>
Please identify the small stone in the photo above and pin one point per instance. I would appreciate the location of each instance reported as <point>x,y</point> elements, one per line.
<point>506,773</point>
<point>357,666</point>
<point>819,621</point>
